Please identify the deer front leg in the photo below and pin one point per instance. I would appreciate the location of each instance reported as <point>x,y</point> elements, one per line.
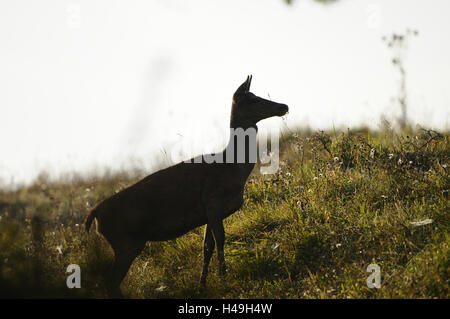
<point>208,249</point>
<point>219,207</point>
<point>219,238</point>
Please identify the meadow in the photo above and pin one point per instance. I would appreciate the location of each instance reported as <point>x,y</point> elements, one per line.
<point>341,200</point>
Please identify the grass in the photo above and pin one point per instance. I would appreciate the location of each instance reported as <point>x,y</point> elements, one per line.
<point>340,201</point>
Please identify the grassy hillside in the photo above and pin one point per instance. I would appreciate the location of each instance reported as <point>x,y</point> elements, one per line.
<point>340,202</point>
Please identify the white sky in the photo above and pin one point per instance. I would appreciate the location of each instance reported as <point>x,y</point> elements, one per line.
<point>93,83</point>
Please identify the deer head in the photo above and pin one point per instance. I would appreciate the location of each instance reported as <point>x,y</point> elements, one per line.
<point>248,109</point>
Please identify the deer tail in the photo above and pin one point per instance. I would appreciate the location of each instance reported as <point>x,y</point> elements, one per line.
<point>90,217</point>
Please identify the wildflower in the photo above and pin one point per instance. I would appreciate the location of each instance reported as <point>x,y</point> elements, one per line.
<point>400,161</point>
<point>338,245</point>
<point>315,178</point>
<point>59,249</point>
<point>372,153</point>
<point>336,159</point>
<point>391,156</point>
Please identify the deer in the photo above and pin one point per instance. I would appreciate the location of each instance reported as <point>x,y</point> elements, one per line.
<point>175,200</point>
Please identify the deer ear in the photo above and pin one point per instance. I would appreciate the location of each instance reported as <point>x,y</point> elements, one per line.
<point>243,88</point>
<point>249,81</point>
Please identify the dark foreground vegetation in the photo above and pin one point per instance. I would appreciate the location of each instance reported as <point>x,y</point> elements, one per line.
<point>340,201</point>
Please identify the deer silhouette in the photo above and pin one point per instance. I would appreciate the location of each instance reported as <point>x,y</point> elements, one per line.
<point>180,198</point>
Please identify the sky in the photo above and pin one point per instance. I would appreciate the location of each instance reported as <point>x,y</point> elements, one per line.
<point>90,85</point>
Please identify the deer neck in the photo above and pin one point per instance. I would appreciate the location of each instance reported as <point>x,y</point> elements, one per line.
<point>241,150</point>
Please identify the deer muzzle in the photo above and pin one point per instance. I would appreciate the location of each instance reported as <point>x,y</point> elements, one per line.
<point>282,109</point>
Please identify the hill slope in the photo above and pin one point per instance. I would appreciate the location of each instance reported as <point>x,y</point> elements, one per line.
<point>339,202</point>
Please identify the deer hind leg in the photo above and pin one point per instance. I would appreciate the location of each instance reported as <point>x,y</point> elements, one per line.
<point>208,249</point>
<point>124,255</point>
